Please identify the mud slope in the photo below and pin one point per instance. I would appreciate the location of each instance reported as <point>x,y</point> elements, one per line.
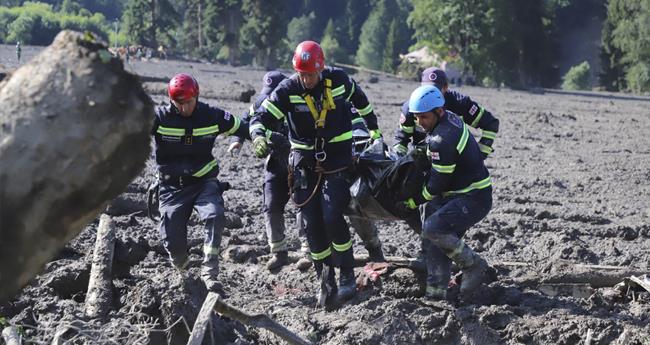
<point>570,176</point>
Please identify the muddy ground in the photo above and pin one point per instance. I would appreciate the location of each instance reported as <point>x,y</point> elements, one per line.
<point>570,176</point>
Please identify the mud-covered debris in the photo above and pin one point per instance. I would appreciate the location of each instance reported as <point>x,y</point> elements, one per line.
<point>243,253</point>
<point>75,133</point>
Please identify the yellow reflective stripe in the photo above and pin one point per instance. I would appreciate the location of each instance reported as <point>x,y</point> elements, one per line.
<point>478,117</point>
<point>322,255</point>
<point>484,183</point>
<point>457,251</point>
<point>206,168</point>
<point>485,149</point>
<point>357,120</point>
<point>205,130</point>
<point>463,139</point>
<point>343,137</point>
<point>444,169</point>
<point>251,110</point>
<point>426,194</point>
<point>407,129</point>
<point>273,109</point>
<point>296,99</point>
<point>278,246</point>
<point>209,250</point>
<point>338,91</point>
<point>179,132</point>
<point>295,145</point>
<point>342,247</point>
<point>256,127</point>
<point>351,92</point>
<point>365,111</point>
<point>235,127</point>
<point>489,135</point>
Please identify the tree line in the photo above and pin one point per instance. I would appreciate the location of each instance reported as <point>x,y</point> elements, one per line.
<point>500,42</point>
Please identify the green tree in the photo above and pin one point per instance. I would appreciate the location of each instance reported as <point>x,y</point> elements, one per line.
<point>300,29</point>
<point>137,22</point>
<point>331,47</point>
<point>373,35</point>
<point>577,78</point>
<point>390,60</point>
<point>262,31</point>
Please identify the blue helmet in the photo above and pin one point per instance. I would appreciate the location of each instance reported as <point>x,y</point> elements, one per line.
<point>425,98</point>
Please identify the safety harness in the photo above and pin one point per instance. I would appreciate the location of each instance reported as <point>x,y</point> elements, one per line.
<point>319,143</point>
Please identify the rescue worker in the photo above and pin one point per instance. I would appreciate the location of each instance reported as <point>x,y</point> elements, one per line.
<point>458,194</point>
<point>19,51</point>
<point>314,102</point>
<point>184,133</point>
<point>471,113</point>
<point>276,191</point>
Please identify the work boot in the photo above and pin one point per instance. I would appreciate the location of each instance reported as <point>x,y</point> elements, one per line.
<point>347,284</point>
<point>474,275</point>
<point>278,260</point>
<point>327,291</point>
<point>303,263</point>
<point>435,293</point>
<point>376,254</point>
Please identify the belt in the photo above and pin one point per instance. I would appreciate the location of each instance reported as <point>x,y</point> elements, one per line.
<point>181,181</point>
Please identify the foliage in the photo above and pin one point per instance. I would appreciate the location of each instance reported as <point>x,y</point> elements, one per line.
<point>373,35</point>
<point>38,23</point>
<point>577,78</point>
<point>331,47</point>
<point>300,29</point>
<point>626,45</point>
<point>262,31</point>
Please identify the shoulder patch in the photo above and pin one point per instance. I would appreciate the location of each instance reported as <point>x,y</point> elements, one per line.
<point>473,110</point>
<point>435,155</point>
<point>226,115</point>
<point>402,118</point>
<point>455,120</point>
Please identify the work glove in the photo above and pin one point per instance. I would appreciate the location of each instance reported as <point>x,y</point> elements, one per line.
<point>234,148</point>
<point>403,208</point>
<point>400,150</point>
<point>375,134</point>
<point>261,147</point>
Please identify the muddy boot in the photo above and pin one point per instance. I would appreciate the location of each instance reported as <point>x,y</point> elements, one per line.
<point>305,261</point>
<point>376,254</point>
<point>435,293</point>
<point>327,291</point>
<point>278,260</point>
<point>347,284</point>
<point>475,270</point>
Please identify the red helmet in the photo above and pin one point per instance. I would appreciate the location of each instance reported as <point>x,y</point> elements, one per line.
<point>308,57</point>
<point>183,87</point>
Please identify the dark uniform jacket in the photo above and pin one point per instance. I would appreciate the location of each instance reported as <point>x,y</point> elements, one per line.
<point>183,145</point>
<point>288,101</point>
<point>471,112</point>
<point>456,162</point>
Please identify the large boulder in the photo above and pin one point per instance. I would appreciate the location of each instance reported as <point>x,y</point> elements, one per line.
<point>74,131</point>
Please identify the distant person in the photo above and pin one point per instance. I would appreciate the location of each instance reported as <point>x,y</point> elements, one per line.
<point>161,52</point>
<point>471,112</point>
<point>19,51</point>
<point>138,54</point>
<point>457,195</point>
<point>148,53</point>
<point>185,132</point>
<point>315,104</point>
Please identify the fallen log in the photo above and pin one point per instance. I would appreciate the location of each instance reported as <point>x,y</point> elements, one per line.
<point>214,302</point>
<point>597,276</point>
<point>75,131</point>
<point>99,296</point>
